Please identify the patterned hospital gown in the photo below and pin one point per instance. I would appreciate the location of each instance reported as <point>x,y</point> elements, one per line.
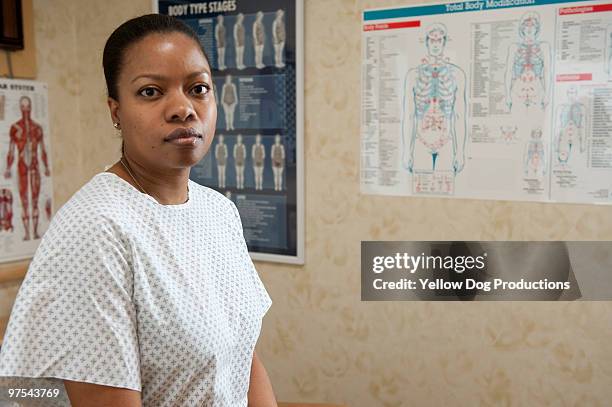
<point>126,292</point>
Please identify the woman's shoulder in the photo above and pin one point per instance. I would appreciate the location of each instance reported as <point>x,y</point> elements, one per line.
<point>102,197</point>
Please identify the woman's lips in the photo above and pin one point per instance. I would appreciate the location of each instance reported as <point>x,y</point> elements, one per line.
<point>184,136</point>
<point>185,141</point>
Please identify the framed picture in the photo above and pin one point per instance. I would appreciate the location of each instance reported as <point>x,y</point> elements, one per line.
<point>256,53</point>
<point>488,100</point>
<point>26,183</point>
<point>11,25</point>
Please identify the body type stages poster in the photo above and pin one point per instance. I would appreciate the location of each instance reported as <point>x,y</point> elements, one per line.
<point>255,160</point>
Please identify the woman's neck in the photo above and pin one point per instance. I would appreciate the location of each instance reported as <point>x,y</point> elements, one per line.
<point>167,188</point>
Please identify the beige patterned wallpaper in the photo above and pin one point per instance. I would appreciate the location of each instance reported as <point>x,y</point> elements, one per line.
<point>319,341</point>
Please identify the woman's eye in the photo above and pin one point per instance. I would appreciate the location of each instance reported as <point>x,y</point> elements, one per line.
<point>200,90</point>
<point>149,92</point>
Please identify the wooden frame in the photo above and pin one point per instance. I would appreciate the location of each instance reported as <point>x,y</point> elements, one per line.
<point>13,271</point>
<point>12,42</point>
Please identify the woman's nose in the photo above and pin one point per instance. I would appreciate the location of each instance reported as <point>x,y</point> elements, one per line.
<point>180,108</point>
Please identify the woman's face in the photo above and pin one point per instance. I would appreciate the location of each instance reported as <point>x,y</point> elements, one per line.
<point>165,86</point>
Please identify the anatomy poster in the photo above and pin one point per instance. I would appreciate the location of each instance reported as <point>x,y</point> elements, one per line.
<point>255,52</point>
<point>492,99</point>
<point>25,164</point>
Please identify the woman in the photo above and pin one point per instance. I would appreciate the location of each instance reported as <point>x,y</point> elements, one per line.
<point>142,290</point>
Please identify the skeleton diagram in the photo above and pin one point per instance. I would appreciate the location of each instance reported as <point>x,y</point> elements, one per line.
<point>528,65</point>
<point>433,123</point>
<point>6,210</point>
<point>239,154</point>
<point>229,100</point>
<point>258,153</point>
<point>220,40</point>
<point>259,39</point>
<point>239,40</point>
<point>279,36</point>
<point>277,154</point>
<point>221,157</point>
<point>571,126</point>
<point>535,156</point>
<point>27,136</point>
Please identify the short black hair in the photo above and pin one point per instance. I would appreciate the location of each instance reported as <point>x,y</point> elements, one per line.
<point>131,32</point>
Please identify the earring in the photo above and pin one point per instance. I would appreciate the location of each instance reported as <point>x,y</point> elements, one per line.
<point>117,126</point>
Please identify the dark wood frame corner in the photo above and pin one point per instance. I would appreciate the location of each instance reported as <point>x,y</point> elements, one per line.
<point>13,271</point>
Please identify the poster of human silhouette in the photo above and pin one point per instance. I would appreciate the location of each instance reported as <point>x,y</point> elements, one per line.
<point>26,196</point>
<point>488,99</point>
<point>256,55</point>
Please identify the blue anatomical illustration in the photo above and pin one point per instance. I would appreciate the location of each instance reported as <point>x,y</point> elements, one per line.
<point>535,155</point>
<point>528,66</point>
<point>571,127</point>
<point>434,122</point>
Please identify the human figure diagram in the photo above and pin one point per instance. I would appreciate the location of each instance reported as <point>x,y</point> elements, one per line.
<point>571,127</point>
<point>259,39</point>
<point>27,137</point>
<point>528,66</point>
<point>279,36</point>
<point>229,100</point>
<point>258,155</point>
<point>239,154</point>
<point>535,155</point>
<point>434,121</point>
<point>220,39</point>
<point>6,210</point>
<point>278,162</point>
<point>239,40</point>
<point>221,157</point>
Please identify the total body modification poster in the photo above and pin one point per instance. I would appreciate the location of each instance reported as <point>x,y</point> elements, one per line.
<point>493,99</point>
<point>25,165</point>
<point>255,51</point>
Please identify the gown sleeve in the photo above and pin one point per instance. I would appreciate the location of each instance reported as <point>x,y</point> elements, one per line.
<point>262,297</point>
<point>73,317</point>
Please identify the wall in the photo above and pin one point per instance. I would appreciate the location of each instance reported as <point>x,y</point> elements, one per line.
<point>54,36</point>
<point>319,342</point>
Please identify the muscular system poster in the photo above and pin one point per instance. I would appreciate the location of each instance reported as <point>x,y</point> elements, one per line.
<point>255,160</point>
<point>25,162</point>
<point>491,99</point>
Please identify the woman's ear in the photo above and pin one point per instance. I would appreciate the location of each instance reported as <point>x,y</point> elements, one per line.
<point>113,107</point>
